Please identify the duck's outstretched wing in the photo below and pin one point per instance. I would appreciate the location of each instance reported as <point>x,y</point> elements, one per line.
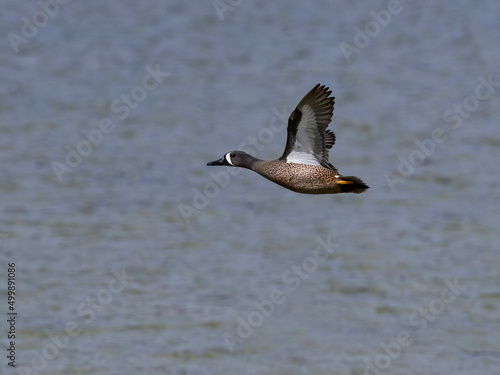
<point>308,140</point>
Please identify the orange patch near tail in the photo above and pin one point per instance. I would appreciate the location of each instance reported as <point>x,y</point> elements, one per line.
<point>345,182</point>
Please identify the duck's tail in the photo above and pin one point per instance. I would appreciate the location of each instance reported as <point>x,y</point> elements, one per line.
<point>351,184</point>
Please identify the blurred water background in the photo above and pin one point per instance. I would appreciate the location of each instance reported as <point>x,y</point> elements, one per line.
<point>132,256</point>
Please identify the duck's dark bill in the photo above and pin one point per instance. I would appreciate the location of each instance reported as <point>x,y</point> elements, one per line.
<point>221,161</point>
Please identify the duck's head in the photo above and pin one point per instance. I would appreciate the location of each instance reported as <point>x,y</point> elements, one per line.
<point>235,159</point>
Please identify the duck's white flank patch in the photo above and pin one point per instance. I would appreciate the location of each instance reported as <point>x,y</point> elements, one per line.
<point>302,158</point>
<point>228,159</point>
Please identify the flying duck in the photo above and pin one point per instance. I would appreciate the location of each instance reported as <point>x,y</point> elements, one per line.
<point>304,166</point>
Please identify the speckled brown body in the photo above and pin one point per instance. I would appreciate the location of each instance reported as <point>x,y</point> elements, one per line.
<point>301,178</point>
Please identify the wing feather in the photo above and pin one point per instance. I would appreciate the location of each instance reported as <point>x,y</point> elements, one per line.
<point>308,140</point>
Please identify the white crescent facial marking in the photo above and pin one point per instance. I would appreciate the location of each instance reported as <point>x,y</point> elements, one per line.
<point>228,159</point>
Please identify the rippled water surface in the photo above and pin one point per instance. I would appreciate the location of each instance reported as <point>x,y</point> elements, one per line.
<point>132,256</point>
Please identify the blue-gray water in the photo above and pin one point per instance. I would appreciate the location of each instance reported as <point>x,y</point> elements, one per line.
<point>137,258</point>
